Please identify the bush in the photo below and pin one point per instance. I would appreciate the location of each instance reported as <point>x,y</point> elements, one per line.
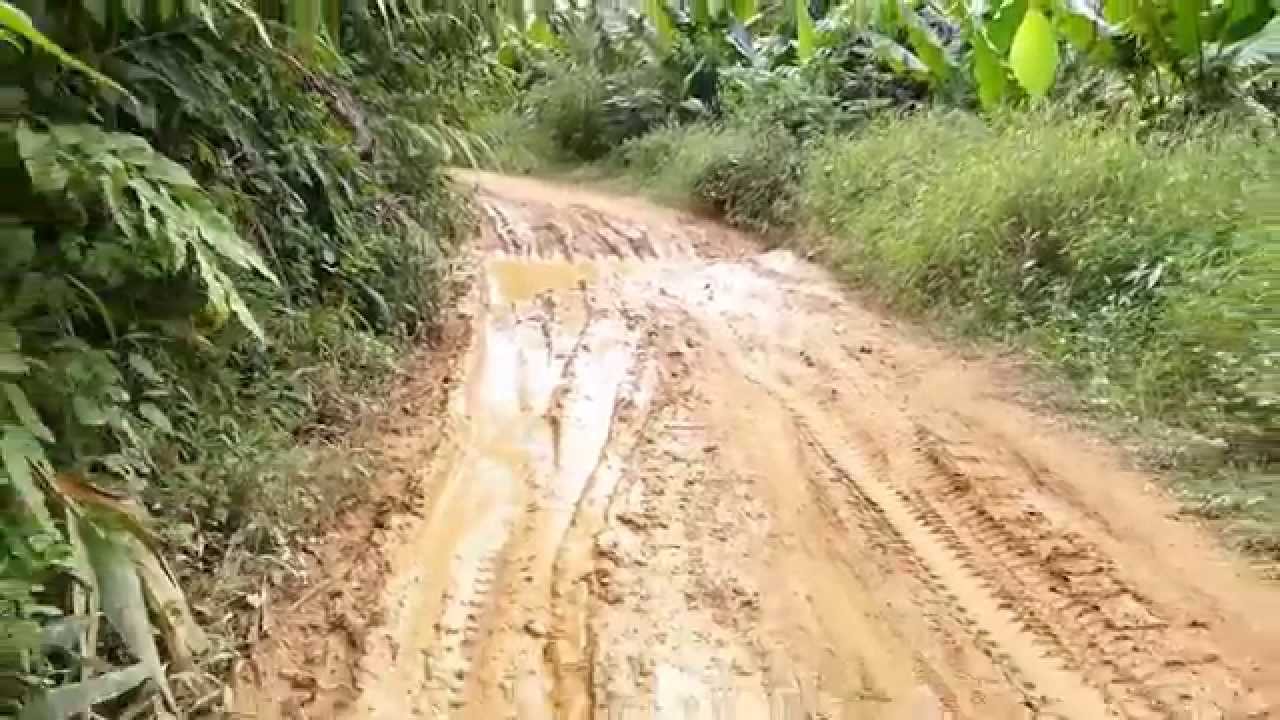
<point>749,175</point>
<point>1140,268</point>
<point>755,185</point>
<point>588,113</point>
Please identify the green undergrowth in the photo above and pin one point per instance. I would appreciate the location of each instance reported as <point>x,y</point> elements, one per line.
<point>1143,266</point>
<point>201,289</point>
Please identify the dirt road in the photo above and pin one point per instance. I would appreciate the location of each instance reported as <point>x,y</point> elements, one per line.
<point>689,479</point>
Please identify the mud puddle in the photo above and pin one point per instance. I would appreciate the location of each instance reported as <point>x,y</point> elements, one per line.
<point>693,480</point>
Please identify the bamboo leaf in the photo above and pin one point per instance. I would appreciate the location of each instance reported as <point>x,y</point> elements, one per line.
<point>21,456</point>
<point>743,10</point>
<point>19,23</point>
<point>67,700</point>
<point>157,418</point>
<point>1034,55</point>
<point>806,40</point>
<point>26,414</point>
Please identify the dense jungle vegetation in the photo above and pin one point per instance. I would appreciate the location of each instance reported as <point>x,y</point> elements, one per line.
<point>221,225</point>
<point>223,222</point>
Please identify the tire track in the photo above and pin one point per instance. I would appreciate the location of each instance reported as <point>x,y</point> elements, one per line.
<point>947,571</point>
<point>1062,588</point>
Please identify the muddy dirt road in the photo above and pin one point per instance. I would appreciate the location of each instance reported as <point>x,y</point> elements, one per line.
<point>689,479</point>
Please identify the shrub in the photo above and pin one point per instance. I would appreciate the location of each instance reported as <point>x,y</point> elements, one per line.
<point>754,185</point>
<point>750,175</point>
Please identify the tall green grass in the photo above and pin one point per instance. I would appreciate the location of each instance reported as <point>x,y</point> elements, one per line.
<point>1145,267</point>
<point>1135,264</point>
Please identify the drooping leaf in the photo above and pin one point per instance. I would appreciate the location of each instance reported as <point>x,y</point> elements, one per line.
<point>68,700</point>
<point>1034,54</point>
<point>184,638</point>
<point>123,602</point>
<point>22,456</point>
<point>989,74</point>
<point>806,34</point>
<point>19,23</point>
<point>26,414</point>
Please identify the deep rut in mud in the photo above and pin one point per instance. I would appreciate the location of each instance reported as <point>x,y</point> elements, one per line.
<point>691,479</point>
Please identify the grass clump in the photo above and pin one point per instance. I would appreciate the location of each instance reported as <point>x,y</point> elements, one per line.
<point>748,174</point>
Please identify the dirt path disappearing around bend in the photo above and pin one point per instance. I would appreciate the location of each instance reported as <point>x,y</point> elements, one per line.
<point>694,480</point>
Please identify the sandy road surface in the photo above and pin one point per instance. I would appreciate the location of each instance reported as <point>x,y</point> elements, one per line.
<point>688,479</point>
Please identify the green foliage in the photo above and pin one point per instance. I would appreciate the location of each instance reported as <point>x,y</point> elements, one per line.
<point>756,185</point>
<point>252,173</point>
<point>1138,267</point>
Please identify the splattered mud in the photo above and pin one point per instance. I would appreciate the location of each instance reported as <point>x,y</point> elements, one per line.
<point>689,479</point>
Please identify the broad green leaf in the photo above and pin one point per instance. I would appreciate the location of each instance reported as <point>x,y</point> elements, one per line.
<point>743,10</point>
<point>26,414</point>
<point>989,74</point>
<point>75,698</point>
<point>806,40</point>
<point>15,21</point>
<point>1034,55</point>
<point>1186,26</point>
<point>123,602</point>
<point>21,454</point>
<point>1246,19</point>
<point>1003,24</point>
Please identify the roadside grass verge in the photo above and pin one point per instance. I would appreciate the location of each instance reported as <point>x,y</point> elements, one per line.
<point>1143,267</point>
